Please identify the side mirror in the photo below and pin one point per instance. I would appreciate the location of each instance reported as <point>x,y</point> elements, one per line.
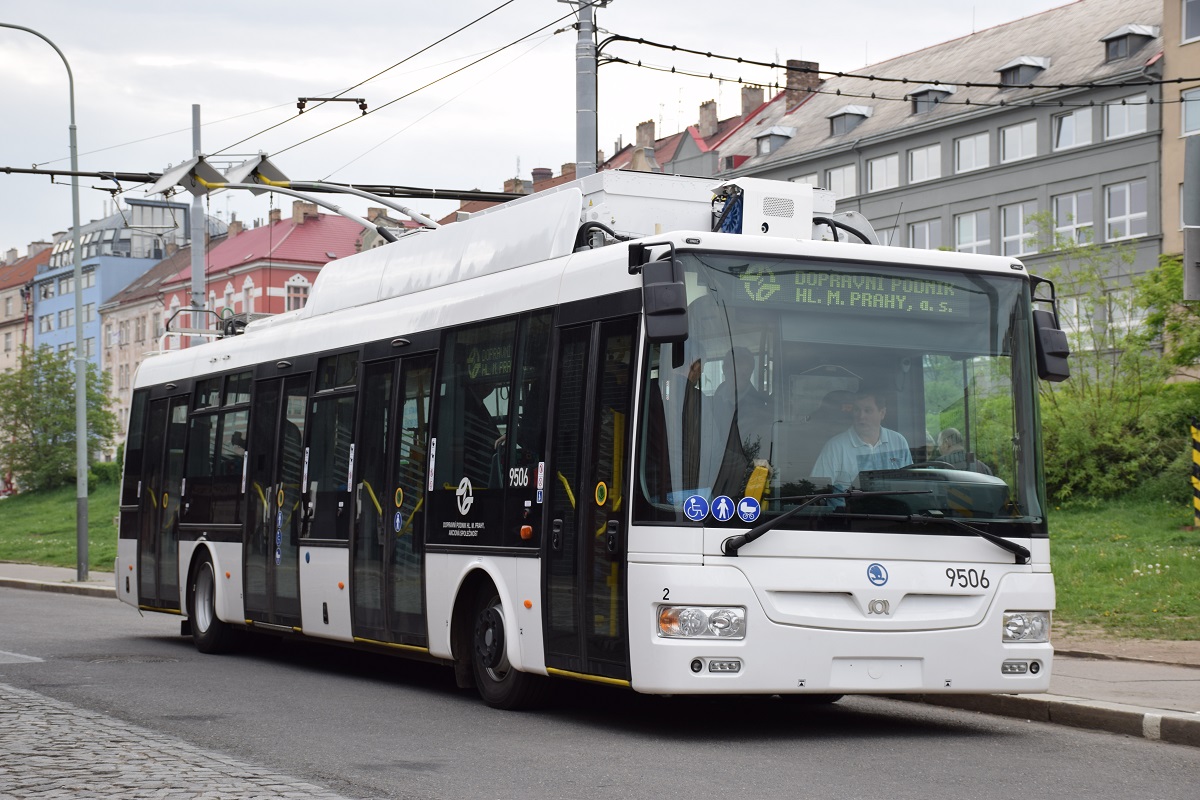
<point>1052,348</point>
<point>664,296</point>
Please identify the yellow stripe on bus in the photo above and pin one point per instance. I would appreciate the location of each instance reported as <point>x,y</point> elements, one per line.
<point>579,676</point>
<point>410,647</point>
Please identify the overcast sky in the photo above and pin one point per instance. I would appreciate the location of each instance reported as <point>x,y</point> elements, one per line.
<point>139,67</point>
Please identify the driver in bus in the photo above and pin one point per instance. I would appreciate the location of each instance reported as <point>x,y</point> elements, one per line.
<point>865,445</point>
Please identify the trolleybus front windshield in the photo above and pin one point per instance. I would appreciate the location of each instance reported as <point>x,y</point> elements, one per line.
<point>914,386</point>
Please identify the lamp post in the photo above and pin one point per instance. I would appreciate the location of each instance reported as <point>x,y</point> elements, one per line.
<point>81,481</point>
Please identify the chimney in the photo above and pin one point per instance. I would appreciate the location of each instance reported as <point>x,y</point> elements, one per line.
<point>568,170</point>
<point>11,256</point>
<point>173,248</point>
<point>273,215</point>
<point>752,98</point>
<point>708,119</point>
<point>515,186</point>
<point>542,174</point>
<point>374,213</point>
<point>802,76</point>
<point>643,160</point>
<point>645,134</point>
<point>302,211</point>
<point>37,247</point>
<point>235,227</point>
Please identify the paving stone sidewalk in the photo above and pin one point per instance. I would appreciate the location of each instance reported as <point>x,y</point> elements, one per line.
<point>56,750</point>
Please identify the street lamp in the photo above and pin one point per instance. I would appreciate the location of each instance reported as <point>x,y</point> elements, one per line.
<point>81,482</point>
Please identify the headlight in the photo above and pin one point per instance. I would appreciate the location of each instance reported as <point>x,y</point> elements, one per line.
<point>702,622</point>
<point>1027,626</point>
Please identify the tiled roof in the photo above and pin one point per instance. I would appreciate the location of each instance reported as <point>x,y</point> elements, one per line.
<point>1070,35</point>
<point>317,241</point>
<point>22,271</point>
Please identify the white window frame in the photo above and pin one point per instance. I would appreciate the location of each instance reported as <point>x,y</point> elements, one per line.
<point>1184,6</point>
<point>926,228</point>
<point>1130,219</point>
<point>1074,227</point>
<point>811,179</point>
<point>967,238</point>
<point>1129,116</point>
<point>1189,104</point>
<point>883,173</point>
<point>979,142</point>
<point>294,288</point>
<point>1018,142</point>
<point>1081,127</point>
<point>925,163</point>
<point>837,178</point>
<point>1022,241</point>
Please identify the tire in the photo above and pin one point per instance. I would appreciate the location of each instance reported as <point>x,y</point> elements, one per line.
<point>498,683</point>
<point>210,634</point>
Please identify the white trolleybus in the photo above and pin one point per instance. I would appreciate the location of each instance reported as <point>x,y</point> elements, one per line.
<point>609,433</point>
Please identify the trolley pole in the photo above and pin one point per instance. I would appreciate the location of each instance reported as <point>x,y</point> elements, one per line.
<point>81,438</point>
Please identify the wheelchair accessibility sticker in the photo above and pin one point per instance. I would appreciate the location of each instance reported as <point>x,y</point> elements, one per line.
<point>695,508</point>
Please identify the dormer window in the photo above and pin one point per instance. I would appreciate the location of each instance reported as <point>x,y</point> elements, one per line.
<point>926,98</point>
<point>1023,70</point>
<point>1127,40</point>
<point>847,118</point>
<point>772,139</point>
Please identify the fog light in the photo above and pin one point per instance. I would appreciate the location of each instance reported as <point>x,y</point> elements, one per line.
<point>1027,626</point>
<point>726,665</point>
<point>1014,668</point>
<point>702,622</point>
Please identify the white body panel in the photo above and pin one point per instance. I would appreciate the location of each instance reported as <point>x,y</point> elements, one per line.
<point>325,592</point>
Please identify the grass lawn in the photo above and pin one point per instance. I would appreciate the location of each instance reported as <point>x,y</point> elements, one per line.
<point>1131,569</point>
<point>40,528</point>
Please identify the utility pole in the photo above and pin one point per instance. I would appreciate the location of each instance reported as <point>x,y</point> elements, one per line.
<point>199,227</point>
<point>586,143</point>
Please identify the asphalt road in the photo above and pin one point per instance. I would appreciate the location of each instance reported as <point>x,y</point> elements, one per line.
<point>371,726</point>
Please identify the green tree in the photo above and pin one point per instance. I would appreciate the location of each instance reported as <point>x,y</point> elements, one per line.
<point>1174,322</point>
<point>37,415</point>
<point>1101,435</point>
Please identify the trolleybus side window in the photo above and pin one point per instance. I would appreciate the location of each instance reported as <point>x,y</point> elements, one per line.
<point>216,451</point>
<point>329,457</point>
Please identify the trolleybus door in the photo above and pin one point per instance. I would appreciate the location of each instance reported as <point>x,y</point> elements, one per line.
<point>586,627</point>
<point>390,471</point>
<point>271,548</point>
<point>162,473</point>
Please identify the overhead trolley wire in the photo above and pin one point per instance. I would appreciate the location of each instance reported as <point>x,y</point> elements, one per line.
<point>616,37</point>
<point>479,60</point>
<point>425,49</point>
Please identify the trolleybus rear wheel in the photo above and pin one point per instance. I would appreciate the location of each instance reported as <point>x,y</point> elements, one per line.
<point>210,634</point>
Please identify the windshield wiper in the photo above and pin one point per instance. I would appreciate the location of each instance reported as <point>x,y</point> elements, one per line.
<point>731,545</point>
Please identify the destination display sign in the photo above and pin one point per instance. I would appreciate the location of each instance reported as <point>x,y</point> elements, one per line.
<point>894,295</point>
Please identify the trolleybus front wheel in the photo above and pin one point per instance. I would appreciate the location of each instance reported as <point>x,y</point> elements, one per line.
<point>210,634</point>
<point>498,683</point>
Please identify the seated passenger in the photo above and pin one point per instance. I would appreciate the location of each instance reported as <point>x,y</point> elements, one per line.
<point>865,445</point>
<point>952,450</point>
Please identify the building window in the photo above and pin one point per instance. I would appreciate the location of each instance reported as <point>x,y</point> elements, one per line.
<point>1017,234</point>
<point>883,173</point>
<point>1125,117</point>
<point>925,163</point>
<point>139,329</point>
<point>297,295</point>
<point>842,181</point>
<point>926,98</point>
<point>887,236</point>
<point>1020,74</point>
<point>812,179</point>
<point>1125,210</point>
<point>972,233</point>
<point>8,342</point>
<point>1073,129</point>
<point>66,318</point>
<point>8,306</point>
<point>89,348</point>
<point>66,284</point>
<point>45,323</point>
<point>764,145</point>
<point>1191,20</point>
<point>1191,111</point>
<point>46,290</point>
<point>89,312</point>
<point>846,120</point>
<point>68,348</point>
<point>1073,216</point>
<point>971,152</point>
<point>925,235</point>
<point>1018,141</point>
<point>89,279</point>
<point>156,324</point>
